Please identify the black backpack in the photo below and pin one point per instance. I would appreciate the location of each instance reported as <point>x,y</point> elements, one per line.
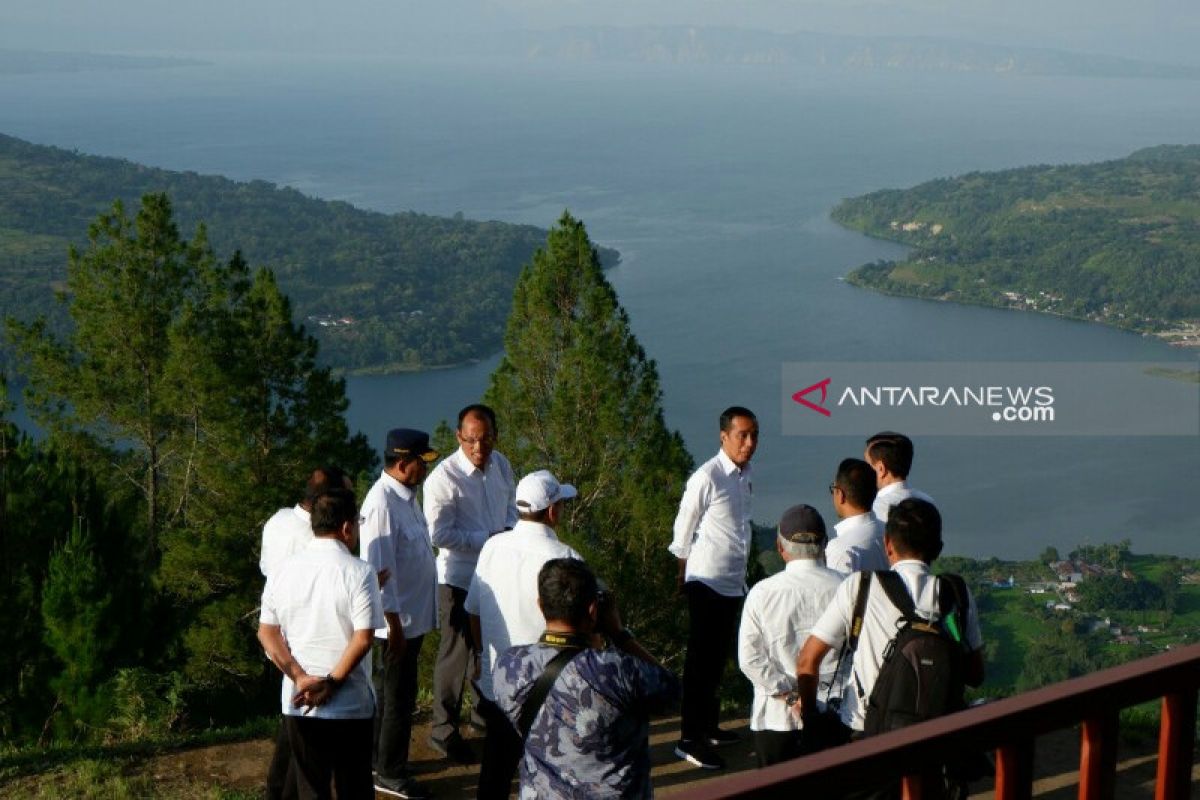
<point>924,666</point>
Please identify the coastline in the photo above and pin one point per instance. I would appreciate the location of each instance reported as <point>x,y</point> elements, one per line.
<point>1184,334</point>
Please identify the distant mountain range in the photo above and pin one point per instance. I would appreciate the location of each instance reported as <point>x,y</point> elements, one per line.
<point>695,45</point>
<point>25,62</point>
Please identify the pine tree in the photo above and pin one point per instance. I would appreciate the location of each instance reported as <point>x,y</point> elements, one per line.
<point>186,378</point>
<point>77,613</point>
<point>576,394</point>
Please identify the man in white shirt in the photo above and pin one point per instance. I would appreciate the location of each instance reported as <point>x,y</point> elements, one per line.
<point>712,542</point>
<point>468,498</point>
<point>913,539</point>
<point>504,611</point>
<point>319,609</point>
<point>289,530</point>
<point>776,619</point>
<point>858,538</point>
<point>395,538</point>
<point>890,455</point>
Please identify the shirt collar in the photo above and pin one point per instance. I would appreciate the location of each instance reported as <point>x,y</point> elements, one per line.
<point>399,488</point>
<point>856,521</point>
<point>327,544</point>
<point>801,564</point>
<point>728,466</point>
<point>302,513</point>
<point>913,564</point>
<point>891,488</point>
<point>465,464</point>
<point>529,528</point>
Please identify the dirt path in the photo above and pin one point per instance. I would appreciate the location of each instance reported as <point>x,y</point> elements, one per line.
<point>205,772</point>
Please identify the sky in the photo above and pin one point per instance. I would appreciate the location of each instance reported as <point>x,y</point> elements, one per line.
<point>1162,30</point>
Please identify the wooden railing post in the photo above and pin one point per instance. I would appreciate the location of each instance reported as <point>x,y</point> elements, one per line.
<point>1014,771</point>
<point>1098,757</point>
<point>1176,738</point>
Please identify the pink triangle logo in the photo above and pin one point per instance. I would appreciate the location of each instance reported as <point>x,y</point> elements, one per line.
<point>804,401</point>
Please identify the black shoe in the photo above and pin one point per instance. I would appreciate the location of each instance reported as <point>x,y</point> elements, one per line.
<point>454,748</point>
<point>719,737</point>
<point>405,788</point>
<point>699,753</point>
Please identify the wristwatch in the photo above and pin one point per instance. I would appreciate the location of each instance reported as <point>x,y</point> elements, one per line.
<point>791,698</point>
<point>332,681</point>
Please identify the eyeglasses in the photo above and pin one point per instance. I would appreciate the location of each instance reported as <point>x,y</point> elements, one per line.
<point>484,440</point>
<point>832,487</point>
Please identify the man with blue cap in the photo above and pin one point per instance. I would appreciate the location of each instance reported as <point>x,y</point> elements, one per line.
<point>393,536</point>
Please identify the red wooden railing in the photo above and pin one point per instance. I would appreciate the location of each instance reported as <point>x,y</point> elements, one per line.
<point>1008,727</point>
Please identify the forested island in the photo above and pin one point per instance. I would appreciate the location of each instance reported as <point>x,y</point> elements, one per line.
<point>1116,242</point>
<point>382,292</point>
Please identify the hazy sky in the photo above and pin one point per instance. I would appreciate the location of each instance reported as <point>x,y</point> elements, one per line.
<point>1152,29</point>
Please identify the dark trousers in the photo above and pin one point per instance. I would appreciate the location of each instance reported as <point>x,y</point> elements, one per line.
<point>281,782</point>
<point>712,630</point>
<point>771,747</point>
<point>337,750</point>
<point>456,659</point>
<point>502,751</point>
<point>396,699</point>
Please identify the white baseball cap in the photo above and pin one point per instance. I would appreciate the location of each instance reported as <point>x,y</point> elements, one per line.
<point>540,490</point>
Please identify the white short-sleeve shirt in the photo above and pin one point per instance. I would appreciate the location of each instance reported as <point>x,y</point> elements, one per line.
<point>879,628</point>
<point>288,531</point>
<point>504,591</point>
<point>319,597</point>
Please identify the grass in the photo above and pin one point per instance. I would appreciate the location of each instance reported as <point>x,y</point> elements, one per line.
<point>31,760</point>
<point>1012,622</point>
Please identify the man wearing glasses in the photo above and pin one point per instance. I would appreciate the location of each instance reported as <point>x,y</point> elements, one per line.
<point>468,498</point>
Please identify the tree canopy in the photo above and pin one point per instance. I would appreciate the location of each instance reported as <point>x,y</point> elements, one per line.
<point>576,394</point>
<point>182,384</point>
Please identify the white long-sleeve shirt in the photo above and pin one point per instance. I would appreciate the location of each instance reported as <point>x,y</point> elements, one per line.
<point>712,529</point>
<point>857,545</point>
<point>465,505</point>
<point>892,494</point>
<point>776,619</point>
<point>393,536</point>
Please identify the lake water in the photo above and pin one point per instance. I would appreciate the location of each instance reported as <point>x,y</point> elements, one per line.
<point>715,184</point>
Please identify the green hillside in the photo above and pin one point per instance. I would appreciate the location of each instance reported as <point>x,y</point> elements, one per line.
<point>1116,242</point>
<point>380,291</point>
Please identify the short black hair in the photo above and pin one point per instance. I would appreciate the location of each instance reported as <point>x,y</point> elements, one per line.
<point>566,589</point>
<point>332,509</point>
<point>321,480</point>
<point>856,478</point>
<point>478,410</point>
<point>914,527</point>
<point>735,411</point>
<point>895,450</point>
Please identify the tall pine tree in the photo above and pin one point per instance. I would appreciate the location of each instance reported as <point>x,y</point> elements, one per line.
<point>185,377</point>
<point>576,394</point>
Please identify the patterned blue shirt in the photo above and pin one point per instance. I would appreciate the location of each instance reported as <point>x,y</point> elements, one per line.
<point>591,737</point>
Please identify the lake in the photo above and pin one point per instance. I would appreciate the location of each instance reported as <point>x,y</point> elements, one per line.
<point>715,184</point>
